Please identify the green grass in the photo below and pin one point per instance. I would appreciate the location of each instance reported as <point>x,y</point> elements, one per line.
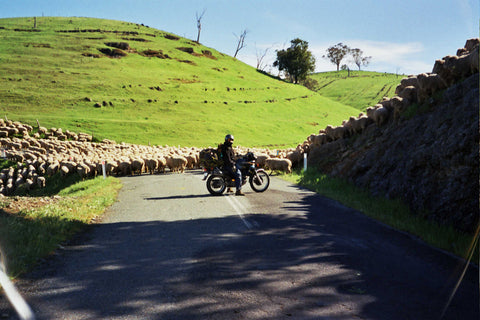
<point>188,99</point>
<point>33,234</point>
<point>360,90</point>
<point>391,212</point>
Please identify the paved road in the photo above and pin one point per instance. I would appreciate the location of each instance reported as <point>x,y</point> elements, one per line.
<point>169,250</point>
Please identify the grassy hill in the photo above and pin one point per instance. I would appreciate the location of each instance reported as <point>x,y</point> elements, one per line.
<point>132,83</point>
<point>359,90</point>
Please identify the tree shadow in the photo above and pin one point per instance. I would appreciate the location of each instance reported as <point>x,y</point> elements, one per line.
<point>313,259</point>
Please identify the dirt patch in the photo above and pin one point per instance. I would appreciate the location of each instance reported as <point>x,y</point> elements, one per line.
<point>92,55</point>
<point>26,30</point>
<point>38,45</point>
<point>171,37</point>
<point>186,49</point>
<point>119,45</point>
<point>137,39</point>
<point>135,33</point>
<point>208,54</point>
<point>13,205</point>
<point>154,53</point>
<point>114,53</point>
<point>187,61</point>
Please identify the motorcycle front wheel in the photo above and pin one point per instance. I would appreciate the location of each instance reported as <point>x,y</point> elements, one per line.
<point>260,181</point>
<point>216,185</point>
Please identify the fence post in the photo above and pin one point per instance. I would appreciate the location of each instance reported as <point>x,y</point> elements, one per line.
<point>103,170</point>
<point>304,161</point>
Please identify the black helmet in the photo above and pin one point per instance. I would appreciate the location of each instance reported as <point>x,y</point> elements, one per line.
<point>228,137</point>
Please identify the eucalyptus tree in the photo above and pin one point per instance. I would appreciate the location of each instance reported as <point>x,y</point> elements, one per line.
<point>358,58</point>
<point>336,54</point>
<point>296,61</point>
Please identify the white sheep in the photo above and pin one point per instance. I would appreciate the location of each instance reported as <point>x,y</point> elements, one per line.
<point>279,164</point>
<point>176,163</point>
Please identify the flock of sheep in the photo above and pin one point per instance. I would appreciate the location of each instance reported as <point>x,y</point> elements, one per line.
<point>41,152</point>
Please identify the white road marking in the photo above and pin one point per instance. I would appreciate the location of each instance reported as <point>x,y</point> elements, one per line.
<point>240,209</point>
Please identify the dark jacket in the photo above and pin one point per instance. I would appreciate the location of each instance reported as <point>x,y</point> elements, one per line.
<point>228,155</point>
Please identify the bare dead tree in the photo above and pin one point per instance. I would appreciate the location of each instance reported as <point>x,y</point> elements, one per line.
<point>260,57</point>
<point>241,42</point>
<point>199,24</point>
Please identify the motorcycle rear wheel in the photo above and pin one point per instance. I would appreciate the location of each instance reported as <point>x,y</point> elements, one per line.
<point>216,185</point>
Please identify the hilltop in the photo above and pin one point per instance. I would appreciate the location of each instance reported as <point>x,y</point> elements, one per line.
<point>133,83</point>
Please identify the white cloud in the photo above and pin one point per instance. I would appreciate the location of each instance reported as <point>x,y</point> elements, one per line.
<point>386,56</point>
<point>391,57</point>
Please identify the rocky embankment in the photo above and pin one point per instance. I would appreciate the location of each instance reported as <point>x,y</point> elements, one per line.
<point>426,151</point>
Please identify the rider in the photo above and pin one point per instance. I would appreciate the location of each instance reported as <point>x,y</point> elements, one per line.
<point>229,164</point>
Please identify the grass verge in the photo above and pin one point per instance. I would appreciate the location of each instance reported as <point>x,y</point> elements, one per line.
<point>31,234</point>
<point>391,212</point>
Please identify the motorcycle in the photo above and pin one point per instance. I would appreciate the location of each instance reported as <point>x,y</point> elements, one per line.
<point>218,181</point>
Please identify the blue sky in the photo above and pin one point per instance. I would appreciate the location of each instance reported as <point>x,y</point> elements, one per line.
<point>404,36</point>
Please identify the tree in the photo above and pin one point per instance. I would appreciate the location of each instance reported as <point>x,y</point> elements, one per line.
<point>296,61</point>
<point>260,57</point>
<point>199,24</point>
<point>336,54</point>
<point>358,58</point>
<point>241,41</point>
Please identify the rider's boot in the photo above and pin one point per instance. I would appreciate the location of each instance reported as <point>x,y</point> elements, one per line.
<point>239,193</point>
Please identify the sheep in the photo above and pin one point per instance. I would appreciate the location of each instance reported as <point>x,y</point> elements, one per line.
<point>64,170</point>
<point>41,181</point>
<point>162,164</point>
<point>53,168</point>
<point>151,165</point>
<point>279,164</point>
<point>428,84</point>
<point>42,168</point>
<point>83,170</point>
<point>318,139</point>
<point>19,181</point>
<point>29,184</point>
<point>9,187</point>
<point>295,157</point>
<point>335,133</point>
<point>111,167</point>
<point>176,163</point>
<point>191,161</point>
<point>92,169</point>
<point>406,82</point>
<point>379,114</point>
<point>360,124</point>
<point>409,94</point>
<point>453,68</point>
<point>261,160</point>
<point>42,130</point>
<point>137,166</point>
<point>349,126</point>
<point>124,168</point>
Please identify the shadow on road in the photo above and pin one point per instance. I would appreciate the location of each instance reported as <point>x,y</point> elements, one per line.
<point>329,263</point>
<point>190,196</point>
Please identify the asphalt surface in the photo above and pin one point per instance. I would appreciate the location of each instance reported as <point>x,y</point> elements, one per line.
<point>168,250</point>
